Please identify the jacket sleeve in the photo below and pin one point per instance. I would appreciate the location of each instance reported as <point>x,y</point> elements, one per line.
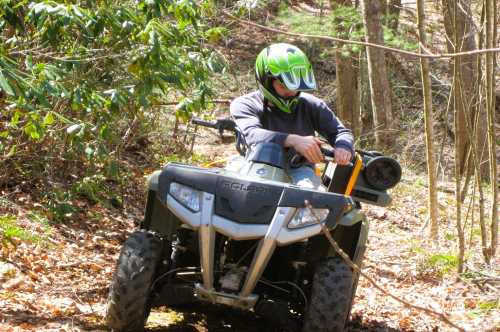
<point>330,127</point>
<point>248,119</point>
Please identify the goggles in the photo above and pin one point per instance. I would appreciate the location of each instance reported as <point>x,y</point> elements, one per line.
<point>298,79</point>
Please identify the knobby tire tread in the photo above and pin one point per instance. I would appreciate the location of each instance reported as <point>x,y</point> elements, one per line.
<point>330,302</point>
<point>128,301</point>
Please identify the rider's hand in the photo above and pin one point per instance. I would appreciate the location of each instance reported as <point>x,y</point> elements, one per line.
<point>308,146</point>
<point>342,156</point>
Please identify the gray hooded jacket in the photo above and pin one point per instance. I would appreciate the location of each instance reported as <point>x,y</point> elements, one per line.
<point>261,123</point>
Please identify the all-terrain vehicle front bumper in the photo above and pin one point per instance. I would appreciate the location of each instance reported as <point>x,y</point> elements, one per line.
<point>259,210</point>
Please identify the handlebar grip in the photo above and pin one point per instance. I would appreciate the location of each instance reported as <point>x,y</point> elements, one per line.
<point>209,124</point>
<point>297,160</point>
<point>330,154</point>
<point>327,152</point>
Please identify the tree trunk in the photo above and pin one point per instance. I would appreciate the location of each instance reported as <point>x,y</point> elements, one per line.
<point>459,120</point>
<point>379,84</point>
<point>473,165</point>
<point>347,92</point>
<point>347,82</point>
<point>460,38</point>
<point>491,26</point>
<point>393,10</point>
<point>458,170</point>
<point>480,120</point>
<point>364,94</point>
<point>429,126</point>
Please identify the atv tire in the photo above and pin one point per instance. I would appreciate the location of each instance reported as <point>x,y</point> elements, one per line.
<point>129,296</point>
<point>331,297</point>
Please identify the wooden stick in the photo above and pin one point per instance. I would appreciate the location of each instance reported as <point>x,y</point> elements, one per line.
<point>443,317</point>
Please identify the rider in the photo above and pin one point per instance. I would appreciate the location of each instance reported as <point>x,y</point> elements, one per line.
<point>281,112</point>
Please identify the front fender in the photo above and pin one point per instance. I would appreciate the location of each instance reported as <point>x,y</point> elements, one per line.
<point>157,216</point>
<point>352,234</point>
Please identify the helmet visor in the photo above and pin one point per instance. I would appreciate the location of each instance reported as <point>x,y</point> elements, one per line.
<point>298,79</point>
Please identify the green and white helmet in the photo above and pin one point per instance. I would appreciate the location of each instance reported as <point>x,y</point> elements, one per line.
<point>288,64</point>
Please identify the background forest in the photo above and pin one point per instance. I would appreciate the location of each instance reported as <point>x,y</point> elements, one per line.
<point>95,95</point>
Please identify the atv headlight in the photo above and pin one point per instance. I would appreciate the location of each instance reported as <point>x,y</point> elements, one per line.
<point>303,217</point>
<point>185,195</point>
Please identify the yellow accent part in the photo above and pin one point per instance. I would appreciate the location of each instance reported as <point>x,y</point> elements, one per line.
<point>354,175</point>
<point>214,163</point>
<point>317,170</point>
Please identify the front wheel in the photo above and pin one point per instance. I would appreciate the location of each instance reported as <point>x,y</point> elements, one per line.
<point>129,295</point>
<point>331,298</point>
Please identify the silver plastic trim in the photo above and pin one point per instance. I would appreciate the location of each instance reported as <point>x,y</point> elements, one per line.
<point>288,235</point>
<point>231,229</point>
<point>352,217</point>
<point>266,248</point>
<point>184,214</point>
<point>237,231</point>
<point>275,234</point>
<point>206,238</point>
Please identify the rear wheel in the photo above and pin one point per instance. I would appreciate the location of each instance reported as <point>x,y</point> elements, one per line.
<point>129,297</point>
<point>331,298</point>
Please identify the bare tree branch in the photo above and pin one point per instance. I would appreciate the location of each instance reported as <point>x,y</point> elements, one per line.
<point>347,41</point>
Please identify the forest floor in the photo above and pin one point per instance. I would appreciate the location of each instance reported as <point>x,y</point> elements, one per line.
<point>59,281</point>
<point>57,278</point>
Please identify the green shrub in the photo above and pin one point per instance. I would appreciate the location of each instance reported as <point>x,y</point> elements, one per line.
<point>9,230</point>
<point>437,265</point>
<point>79,80</point>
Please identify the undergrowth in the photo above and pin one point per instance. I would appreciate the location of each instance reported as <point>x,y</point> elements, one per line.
<point>13,231</point>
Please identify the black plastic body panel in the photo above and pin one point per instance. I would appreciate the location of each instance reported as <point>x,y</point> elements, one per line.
<point>245,201</point>
<point>338,183</point>
<point>202,179</point>
<point>268,153</point>
<point>159,218</point>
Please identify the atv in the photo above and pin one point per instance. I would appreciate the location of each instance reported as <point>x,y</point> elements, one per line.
<point>243,236</point>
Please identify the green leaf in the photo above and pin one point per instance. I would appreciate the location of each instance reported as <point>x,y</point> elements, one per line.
<point>32,130</point>
<point>48,119</point>
<point>4,84</point>
<point>28,62</point>
<point>104,132</point>
<point>15,119</point>
<point>12,151</point>
<point>214,35</point>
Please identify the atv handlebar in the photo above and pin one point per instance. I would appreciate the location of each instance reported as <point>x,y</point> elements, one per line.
<point>329,154</point>
<point>380,171</point>
<point>204,123</point>
<point>220,124</point>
